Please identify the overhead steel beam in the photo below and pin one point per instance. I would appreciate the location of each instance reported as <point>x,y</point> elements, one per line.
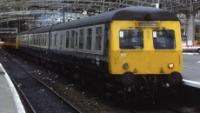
<point>8,30</point>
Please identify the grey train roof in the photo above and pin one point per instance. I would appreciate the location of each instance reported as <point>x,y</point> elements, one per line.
<point>37,30</point>
<point>41,29</point>
<point>131,13</point>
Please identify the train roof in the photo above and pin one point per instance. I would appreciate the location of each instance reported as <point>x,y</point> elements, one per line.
<point>24,32</point>
<point>37,30</point>
<point>41,29</point>
<point>138,13</point>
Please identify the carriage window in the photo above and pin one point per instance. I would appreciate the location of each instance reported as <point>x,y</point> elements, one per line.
<point>55,36</point>
<point>76,39</point>
<point>43,37</point>
<point>131,39</point>
<point>81,39</point>
<point>37,40</point>
<point>98,38</point>
<point>43,43</point>
<point>72,39</point>
<point>45,40</point>
<point>89,39</point>
<point>67,39</point>
<point>41,40</point>
<point>164,39</point>
<point>33,40</point>
<point>61,39</point>
<point>39,37</point>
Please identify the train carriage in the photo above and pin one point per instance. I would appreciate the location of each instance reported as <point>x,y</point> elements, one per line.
<point>129,43</point>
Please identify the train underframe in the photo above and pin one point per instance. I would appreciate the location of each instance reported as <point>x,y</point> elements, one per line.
<point>133,82</point>
<point>127,82</point>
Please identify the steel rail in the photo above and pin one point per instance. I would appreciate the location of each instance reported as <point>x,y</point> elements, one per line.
<point>53,91</point>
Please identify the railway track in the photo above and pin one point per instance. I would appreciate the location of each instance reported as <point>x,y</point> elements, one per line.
<point>114,109</point>
<point>57,94</point>
<point>18,81</point>
<point>27,104</point>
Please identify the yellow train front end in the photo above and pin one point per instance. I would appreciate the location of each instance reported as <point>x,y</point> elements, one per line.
<point>146,49</point>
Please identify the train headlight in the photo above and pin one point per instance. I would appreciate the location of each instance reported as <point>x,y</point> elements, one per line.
<point>170,66</point>
<point>125,66</point>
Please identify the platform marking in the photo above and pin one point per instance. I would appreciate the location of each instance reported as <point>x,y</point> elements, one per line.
<point>18,103</point>
<point>190,53</point>
<point>191,83</point>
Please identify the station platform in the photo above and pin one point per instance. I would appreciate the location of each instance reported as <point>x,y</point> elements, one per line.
<point>191,69</point>
<point>9,99</point>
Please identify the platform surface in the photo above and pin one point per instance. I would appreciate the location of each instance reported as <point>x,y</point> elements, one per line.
<point>191,69</point>
<point>9,98</point>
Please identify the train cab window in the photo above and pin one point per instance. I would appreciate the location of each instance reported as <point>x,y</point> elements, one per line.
<point>67,39</point>
<point>98,38</point>
<point>163,39</point>
<point>89,39</point>
<point>81,39</point>
<point>131,39</point>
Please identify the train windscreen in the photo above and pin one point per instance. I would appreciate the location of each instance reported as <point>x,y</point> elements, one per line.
<point>164,39</point>
<point>131,39</point>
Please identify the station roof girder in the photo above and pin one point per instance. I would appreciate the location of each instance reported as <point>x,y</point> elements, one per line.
<point>10,8</point>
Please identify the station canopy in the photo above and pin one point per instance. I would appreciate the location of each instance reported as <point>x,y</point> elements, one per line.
<point>31,10</point>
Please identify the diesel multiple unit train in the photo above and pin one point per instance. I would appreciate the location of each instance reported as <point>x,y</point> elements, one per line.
<point>129,45</point>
